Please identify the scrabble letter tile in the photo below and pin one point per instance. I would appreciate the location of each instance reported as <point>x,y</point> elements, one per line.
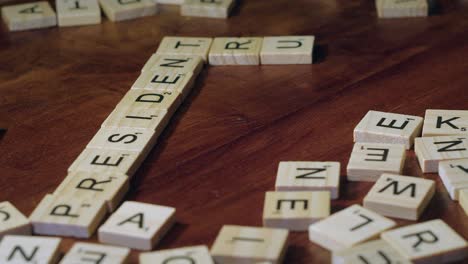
<point>369,160</point>
<point>118,10</point>
<point>28,249</point>
<point>402,8</point>
<point>107,161</point>
<point>95,186</point>
<point>12,221</point>
<point>29,16</point>
<point>445,123</point>
<point>165,80</point>
<point>78,12</point>
<point>295,210</point>
<point>207,8</point>
<point>348,227</point>
<point>185,46</point>
<point>376,251</point>
<point>178,64</point>
<point>454,175</point>
<point>67,215</point>
<point>137,225</point>
<point>309,176</point>
<point>429,242</point>
<point>400,196</point>
<point>193,255</point>
<point>123,138</point>
<point>95,253</point>
<point>235,51</point>
<point>463,198</point>
<point>241,244</point>
<point>287,50</point>
<point>431,150</point>
<point>151,100</point>
<point>380,127</point>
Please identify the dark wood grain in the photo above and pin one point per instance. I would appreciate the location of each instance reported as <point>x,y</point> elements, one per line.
<point>219,155</point>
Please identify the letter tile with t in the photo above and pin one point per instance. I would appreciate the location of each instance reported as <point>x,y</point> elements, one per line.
<point>348,228</point>
<point>381,127</point>
<point>29,249</point>
<point>185,46</point>
<point>429,242</point>
<point>369,160</point>
<point>192,255</point>
<point>137,225</point>
<point>399,196</point>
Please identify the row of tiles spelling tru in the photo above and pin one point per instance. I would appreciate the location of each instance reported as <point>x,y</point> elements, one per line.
<point>87,12</point>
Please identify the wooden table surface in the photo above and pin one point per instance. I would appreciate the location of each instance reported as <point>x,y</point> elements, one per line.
<point>219,154</point>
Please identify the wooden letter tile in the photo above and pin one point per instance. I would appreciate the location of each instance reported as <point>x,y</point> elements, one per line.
<point>12,221</point>
<point>402,8</point>
<point>95,253</point>
<point>400,196</point>
<point>348,228</point>
<point>151,100</point>
<point>207,8</point>
<point>463,199</point>
<point>107,161</point>
<point>185,46</point>
<point>123,138</point>
<point>192,255</point>
<point>67,215</point>
<point>28,249</point>
<point>454,175</point>
<point>178,64</point>
<point>287,50</point>
<point>78,12</point>
<point>429,242</point>
<point>295,211</point>
<point>95,186</point>
<point>445,123</point>
<point>242,244</point>
<point>137,225</point>
<point>165,80</point>
<point>381,127</point>
<point>235,51</point>
<point>29,16</point>
<point>309,176</point>
<point>369,160</point>
<point>376,251</point>
<point>431,150</point>
<point>118,10</point>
